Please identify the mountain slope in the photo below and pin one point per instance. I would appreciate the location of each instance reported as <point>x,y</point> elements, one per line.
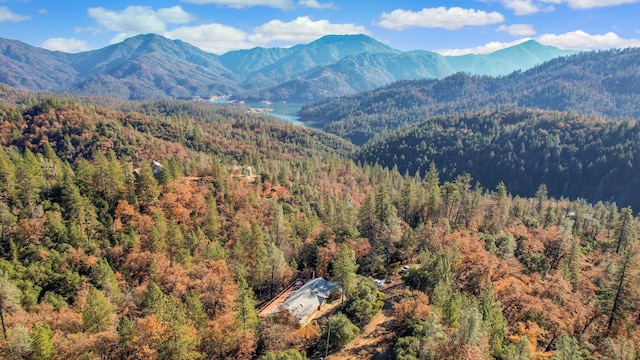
<point>153,67</point>
<point>358,73</point>
<point>604,83</point>
<point>304,59</point>
<point>503,62</point>
<point>366,71</point>
<point>150,66</point>
<point>576,157</point>
<point>33,68</point>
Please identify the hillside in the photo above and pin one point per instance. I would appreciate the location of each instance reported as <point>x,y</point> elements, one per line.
<point>366,71</point>
<point>156,129</point>
<point>106,254</point>
<point>574,156</point>
<point>603,83</point>
<point>150,66</point>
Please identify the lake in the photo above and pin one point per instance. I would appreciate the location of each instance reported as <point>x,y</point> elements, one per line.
<point>285,111</point>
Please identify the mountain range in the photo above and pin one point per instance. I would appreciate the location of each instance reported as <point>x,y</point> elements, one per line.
<point>604,83</point>
<point>153,67</point>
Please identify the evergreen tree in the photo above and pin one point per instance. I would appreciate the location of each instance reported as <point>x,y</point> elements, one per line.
<point>338,331</point>
<point>624,231</point>
<point>211,225</point>
<point>617,298</point>
<point>195,309</point>
<point>431,185</point>
<point>568,348</point>
<point>541,198</point>
<point>344,269</point>
<point>125,330</point>
<point>9,299</point>
<point>42,342</point>
<point>30,181</point>
<point>146,186</point>
<point>247,316</point>
<point>105,278</point>
<point>97,312</point>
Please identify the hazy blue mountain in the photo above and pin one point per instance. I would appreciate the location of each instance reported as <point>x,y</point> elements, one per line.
<point>367,71</point>
<point>602,83</point>
<point>243,62</point>
<point>357,73</point>
<point>141,67</point>
<point>33,68</point>
<point>503,62</point>
<point>309,58</point>
<point>151,66</point>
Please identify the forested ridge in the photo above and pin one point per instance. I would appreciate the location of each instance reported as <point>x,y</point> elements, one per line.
<point>575,156</point>
<point>601,83</point>
<point>104,256</point>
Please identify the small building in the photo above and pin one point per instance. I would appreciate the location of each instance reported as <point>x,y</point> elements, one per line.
<point>156,167</point>
<point>304,302</point>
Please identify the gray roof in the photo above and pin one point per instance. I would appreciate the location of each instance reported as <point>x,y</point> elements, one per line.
<point>306,300</point>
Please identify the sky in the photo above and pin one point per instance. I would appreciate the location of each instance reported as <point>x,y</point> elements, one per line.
<point>449,27</point>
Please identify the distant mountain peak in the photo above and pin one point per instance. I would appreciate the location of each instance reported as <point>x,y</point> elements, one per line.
<point>352,39</point>
<point>153,66</point>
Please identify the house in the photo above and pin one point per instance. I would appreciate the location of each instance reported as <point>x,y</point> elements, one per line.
<point>304,302</point>
<point>156,167</point>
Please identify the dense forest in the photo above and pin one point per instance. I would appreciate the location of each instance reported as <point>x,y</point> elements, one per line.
<point>573,155</point>
<point>129,230</point>
<point>601,83</point>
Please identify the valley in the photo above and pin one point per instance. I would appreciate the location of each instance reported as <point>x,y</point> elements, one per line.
<point>495,199</point>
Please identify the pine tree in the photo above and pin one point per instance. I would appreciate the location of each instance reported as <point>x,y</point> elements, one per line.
<point>344,269</point>
<point>368,220</point>
<point>571,269</point>
<point>541,198</point>
<point>42,342</point>
<point>7,177</point>
<point>147,189</point>
<point>105,278</point>
<point>9,299</point>
<point>247,316</point>
<point>431,185</point>
<point>30,181</point>
<point>618,296</point>
<point>125,330</point>
<point>211,225</point>
<point>97,312</point>
<point>624,231</point>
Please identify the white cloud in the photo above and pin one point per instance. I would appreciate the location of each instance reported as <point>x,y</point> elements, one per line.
<point>576,40</point>
<point>441,17</point>
<point>525,7</point>
<point>218,38</point>
<point>215,38</point>
<point>212,37</point>
<point>587,4</point>
<point>7,15</point>
<point>279,4</point>
<point>315,4</point>
<point>483,49</point>
<point>301,29</point>
<point>175,15</point>
<point>580,40</point>
<point>138,19</point>
<point>67,45</point>
<point>517,29</point>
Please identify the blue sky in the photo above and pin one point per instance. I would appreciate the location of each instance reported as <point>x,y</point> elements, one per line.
<point>449,27</point>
